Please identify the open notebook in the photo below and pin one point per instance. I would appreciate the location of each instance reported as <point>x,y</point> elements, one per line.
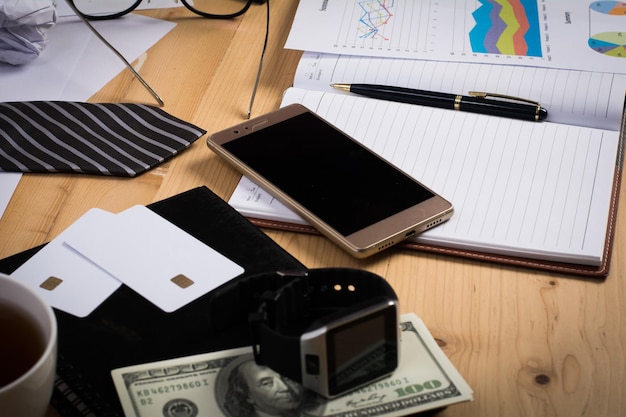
<point>541,195</point>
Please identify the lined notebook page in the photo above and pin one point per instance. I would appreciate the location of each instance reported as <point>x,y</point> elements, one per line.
<point>539,190</point>
<point>584,98</point>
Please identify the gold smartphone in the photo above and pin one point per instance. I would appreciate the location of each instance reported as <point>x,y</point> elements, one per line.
<point>348,193</point>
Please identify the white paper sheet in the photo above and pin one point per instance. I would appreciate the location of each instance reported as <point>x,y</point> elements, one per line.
<point>75,64</point>
<point>578,35</point>
<point>8,183</point>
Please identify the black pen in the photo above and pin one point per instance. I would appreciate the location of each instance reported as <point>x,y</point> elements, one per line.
<point>475,102</point>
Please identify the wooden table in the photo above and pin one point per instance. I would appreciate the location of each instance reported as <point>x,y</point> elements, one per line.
<point>529,343</point>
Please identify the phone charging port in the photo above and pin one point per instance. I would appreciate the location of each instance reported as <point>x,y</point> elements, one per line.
<point>409,234</point>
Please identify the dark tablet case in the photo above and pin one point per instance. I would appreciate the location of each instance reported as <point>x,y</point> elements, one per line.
<point>128,330</point>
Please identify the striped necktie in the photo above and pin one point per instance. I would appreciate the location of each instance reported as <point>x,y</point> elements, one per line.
<point>105,139</point>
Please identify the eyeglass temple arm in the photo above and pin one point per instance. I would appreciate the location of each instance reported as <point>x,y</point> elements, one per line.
<point>258,74</point>
<point>116,52</point>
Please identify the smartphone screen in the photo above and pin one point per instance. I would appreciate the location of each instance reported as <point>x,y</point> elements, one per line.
<point>333,177</point>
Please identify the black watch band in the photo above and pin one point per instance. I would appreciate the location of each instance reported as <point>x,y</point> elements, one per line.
<point>281,306</point>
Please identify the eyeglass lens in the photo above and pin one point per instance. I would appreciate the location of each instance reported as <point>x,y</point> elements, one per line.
<point>99,9</point>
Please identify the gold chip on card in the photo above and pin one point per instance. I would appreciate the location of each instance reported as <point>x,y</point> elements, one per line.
<point>51,283</point>
<point>182,281</point>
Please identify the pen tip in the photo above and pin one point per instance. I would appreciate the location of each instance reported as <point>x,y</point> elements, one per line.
<point>344,87</point>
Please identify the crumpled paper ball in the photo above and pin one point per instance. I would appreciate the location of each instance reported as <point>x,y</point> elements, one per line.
<point>24,26</point>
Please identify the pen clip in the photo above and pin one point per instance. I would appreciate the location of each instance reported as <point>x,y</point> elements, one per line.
<point>503,96</point>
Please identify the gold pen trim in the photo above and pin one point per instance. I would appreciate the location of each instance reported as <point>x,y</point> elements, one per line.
<point>481,94</point>
<point>457,102</point>
<point>343,87</point>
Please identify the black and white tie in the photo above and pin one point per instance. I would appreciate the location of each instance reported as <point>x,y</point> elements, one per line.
<point>92,138</point>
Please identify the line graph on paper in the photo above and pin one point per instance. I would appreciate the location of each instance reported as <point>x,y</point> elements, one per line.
<point>505,27</point>
<point>385,24</point>
<point>375,16</point>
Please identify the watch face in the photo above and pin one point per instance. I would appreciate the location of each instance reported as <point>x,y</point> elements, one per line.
<point>362,351</point>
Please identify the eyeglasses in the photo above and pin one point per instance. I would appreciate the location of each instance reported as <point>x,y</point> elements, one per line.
<point>214,9</point>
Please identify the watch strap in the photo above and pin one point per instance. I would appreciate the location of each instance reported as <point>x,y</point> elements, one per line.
<point>306,300</point>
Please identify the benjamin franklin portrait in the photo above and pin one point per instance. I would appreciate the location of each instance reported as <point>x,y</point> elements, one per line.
<point>245,389</point>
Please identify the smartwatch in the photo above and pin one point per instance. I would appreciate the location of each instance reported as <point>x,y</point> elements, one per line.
<point>332,330</point>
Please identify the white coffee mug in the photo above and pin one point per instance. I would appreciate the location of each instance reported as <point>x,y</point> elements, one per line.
<point>27,394</point>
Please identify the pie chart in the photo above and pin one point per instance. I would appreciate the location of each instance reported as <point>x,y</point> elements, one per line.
<point>615,8</point>
<point>609,43</point>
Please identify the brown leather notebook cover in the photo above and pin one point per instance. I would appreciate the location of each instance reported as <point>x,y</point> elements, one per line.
<point>565,268</point>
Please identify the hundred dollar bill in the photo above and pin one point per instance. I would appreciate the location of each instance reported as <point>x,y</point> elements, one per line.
<point>229,383</point>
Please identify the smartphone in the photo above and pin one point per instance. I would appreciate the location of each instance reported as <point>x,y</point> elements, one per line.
<point>347,192</point>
